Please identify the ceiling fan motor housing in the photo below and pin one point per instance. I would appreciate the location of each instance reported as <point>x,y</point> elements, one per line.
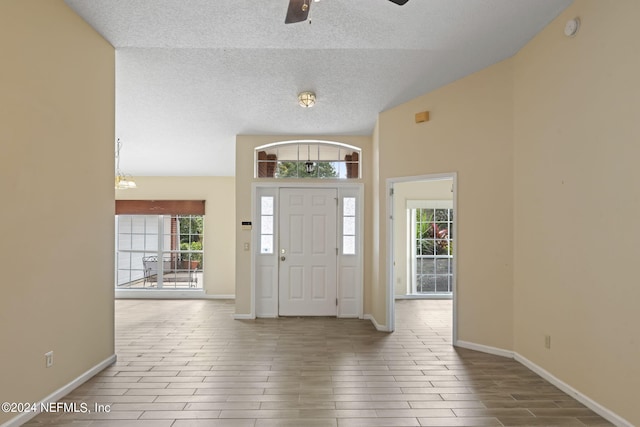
<point>298,10</point>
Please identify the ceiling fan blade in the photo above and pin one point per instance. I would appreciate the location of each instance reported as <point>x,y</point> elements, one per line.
<point>399,2</point>
<point>298,11</point>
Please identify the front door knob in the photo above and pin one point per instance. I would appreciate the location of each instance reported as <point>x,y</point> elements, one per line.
<point>282,258</point>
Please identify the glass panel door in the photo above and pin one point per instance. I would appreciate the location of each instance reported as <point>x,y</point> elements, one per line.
<point>159,251</point>
<point>432,250</point>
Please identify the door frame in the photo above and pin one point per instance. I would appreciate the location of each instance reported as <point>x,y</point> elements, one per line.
<point>357,189</point>
<point>391,312</point>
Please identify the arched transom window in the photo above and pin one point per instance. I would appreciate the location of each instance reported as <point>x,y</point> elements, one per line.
<point>308,159</point>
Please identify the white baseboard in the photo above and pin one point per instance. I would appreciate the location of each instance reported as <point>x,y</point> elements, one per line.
<point>168,294</point>
<point>423,296</point>
<point>379,327</point>
<point>61,392</point>
<point>484,348</point>
<point>159,294</point>
<point>242,316</point>
<point>209,296</point>
<point>605,413</point>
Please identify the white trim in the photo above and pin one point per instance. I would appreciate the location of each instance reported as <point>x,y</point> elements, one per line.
<point>170,294</point>
<point>429,204</point>
<point>210,296</point>
<point>378,326</point>
<point>308,141</point>
<point>484,349</point>
<point>424,296</point>
<point>160,294</point>
<point>241,316</point>
<point>428,177</point>
<point>390,279</point>
<point>580,397</point>
<point>454,267</point>
<point>254,246</point>
<point>61,392</point>
<point>566,388</point>
<point>323,183</point>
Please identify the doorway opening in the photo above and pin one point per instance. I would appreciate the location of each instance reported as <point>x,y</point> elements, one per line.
<point>422,237</point>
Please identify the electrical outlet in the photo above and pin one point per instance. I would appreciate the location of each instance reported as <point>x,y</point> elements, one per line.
<point>48,359</point>
<point>547,342</point>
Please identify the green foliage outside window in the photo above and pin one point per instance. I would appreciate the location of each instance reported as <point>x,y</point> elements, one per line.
<point>432,231</point>
<point>191,231</point>
<point>193,256</point>
<point>298,170</point>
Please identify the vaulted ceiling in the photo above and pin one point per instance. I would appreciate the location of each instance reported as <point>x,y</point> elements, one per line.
<point>192,74</point>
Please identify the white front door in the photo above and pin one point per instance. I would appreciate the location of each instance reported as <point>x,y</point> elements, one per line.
<point>308,252</point>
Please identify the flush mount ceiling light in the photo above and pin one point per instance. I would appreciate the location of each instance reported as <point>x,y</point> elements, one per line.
<point>307,99</point>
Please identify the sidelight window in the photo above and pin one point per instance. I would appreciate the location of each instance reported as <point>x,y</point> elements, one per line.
<point>348,225</point>
<point>266,224</point>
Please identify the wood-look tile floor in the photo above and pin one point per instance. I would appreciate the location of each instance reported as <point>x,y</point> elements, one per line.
<point>188,363</point>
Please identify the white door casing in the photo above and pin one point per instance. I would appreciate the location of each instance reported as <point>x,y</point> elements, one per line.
<point>265,261</point>
<point>308,252</point>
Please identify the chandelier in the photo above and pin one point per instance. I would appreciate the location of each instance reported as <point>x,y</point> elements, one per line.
<point>123,182</point>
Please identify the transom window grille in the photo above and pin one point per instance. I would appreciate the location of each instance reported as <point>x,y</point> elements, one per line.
<point>432,249</point>
<point>308,159</point>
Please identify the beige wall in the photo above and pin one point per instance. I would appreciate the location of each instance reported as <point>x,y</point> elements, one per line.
<point>545,146</point>
<point>577,144</point>
<point>56,221</point>
<point>470,132</point>
<point>245,145</point>
<point>219,236</point>
<point>437,189</point>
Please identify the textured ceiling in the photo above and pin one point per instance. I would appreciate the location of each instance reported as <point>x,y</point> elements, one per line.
<point>192,74</point>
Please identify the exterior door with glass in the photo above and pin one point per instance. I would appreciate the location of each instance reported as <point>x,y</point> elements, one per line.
<point>308,252</point>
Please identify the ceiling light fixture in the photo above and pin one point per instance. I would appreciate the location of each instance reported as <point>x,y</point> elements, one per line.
<point>123,182</point>
<point>306,99</point>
